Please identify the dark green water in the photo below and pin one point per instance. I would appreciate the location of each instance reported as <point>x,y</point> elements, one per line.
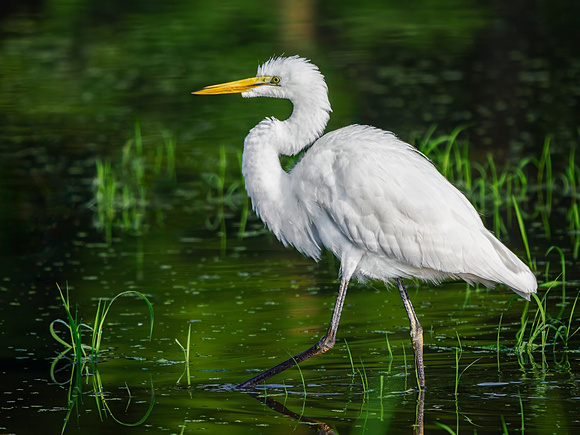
<point>74,77</point>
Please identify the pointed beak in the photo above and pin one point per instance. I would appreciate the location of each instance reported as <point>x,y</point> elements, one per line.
<point>236,87</point>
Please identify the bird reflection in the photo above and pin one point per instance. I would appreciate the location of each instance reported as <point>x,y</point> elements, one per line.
<point>321,427</point>
<point>316,425</point>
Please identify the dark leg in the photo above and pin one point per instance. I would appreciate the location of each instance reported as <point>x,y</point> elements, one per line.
<point>325,343</point>
<point>416,333</point>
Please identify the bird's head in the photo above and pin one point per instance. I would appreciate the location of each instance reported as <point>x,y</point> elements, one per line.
<point>293,78</point>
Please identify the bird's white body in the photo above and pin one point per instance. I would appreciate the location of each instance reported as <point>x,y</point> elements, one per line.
<point>374,201</point>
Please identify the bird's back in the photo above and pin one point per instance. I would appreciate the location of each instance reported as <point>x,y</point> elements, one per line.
<point>369,193</point>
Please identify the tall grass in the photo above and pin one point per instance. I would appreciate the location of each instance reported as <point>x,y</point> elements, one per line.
<point>545,186</point>
<point>523,232</point>
<point>122,187</point>
<point>227,197</point>
<point>538,329</point>
<point>350,357</point>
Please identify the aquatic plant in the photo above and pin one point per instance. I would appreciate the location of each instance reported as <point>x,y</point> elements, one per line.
<point>85,357</point>
<point>245,203</point>
<point>185,349</point>
<point>497,347</point>
<point>390,351</point>
<point>547,329</point>
<point>363,378</point>
<point>349,356</point>
<point>75,328</point>
<point>122,191</point>
<point>388,346</point>
<point>545,186</point>
<point>303,388</point>
<point>458,354</point>
<point>538,328</point>
<point>560,279</point>
<point>523,232</point>
<point>227,197</point>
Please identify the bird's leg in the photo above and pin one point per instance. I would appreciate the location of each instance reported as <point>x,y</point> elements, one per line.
<point>324,344</point>
<point>416,333</point>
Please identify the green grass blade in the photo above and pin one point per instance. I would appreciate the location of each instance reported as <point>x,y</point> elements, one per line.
<point>349,356</point>
<point>522,230</point>
<point>497,341</point>
<point>446,428</point>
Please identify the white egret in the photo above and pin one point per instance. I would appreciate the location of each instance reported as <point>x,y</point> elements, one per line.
<point>374,201</point>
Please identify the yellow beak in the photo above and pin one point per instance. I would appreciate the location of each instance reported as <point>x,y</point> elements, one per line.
<point>236,87</point>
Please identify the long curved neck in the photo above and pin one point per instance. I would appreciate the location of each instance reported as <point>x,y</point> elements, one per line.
<point>267,184</point>
<point>305,125</point>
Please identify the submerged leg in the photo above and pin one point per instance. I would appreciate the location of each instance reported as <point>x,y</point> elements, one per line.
<point>324,344</point>
<point>416,333</point>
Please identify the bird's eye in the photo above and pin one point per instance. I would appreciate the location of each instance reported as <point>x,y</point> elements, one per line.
<point>275,80</point>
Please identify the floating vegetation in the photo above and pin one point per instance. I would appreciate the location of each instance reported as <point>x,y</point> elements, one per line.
<point>85,357</point>
<point>122,192</point>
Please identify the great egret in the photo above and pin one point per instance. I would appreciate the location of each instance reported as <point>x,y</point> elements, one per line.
<point>374,201</point>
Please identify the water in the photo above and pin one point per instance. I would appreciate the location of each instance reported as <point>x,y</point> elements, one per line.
<point>74,79</point>
<point>248,310</point>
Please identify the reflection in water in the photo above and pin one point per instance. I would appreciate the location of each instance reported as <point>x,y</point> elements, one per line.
<point>419,415</point>
<point>323,428</point>
<point>104,401</point>
<point>316,425</point>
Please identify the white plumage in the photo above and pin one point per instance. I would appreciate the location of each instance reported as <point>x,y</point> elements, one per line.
<point>374,201</point>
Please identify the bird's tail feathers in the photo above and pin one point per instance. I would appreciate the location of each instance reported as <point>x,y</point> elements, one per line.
<point>510,271</point>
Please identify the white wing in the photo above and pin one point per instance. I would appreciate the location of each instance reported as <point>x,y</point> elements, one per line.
<point>388,200</point>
